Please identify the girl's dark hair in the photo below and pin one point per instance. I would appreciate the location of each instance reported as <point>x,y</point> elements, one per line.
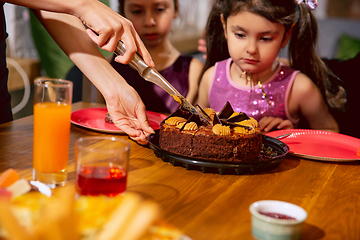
<point>122,12</point>
<point>302,46</point>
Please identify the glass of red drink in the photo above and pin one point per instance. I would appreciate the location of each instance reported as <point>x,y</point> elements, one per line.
<point>101,165</point>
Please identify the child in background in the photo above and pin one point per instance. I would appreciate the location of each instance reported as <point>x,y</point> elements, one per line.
<point>152,19</point>
<point>243,40</point>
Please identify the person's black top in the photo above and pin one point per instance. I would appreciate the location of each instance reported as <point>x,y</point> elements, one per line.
<point>5,98</point>
<point>347,71</point>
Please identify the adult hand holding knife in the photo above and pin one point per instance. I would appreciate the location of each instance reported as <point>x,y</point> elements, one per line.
<point>123,102</point>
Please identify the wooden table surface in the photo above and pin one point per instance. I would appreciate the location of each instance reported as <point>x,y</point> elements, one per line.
<point>213,206</point>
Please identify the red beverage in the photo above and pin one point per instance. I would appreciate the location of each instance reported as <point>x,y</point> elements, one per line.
<point>101,180</point>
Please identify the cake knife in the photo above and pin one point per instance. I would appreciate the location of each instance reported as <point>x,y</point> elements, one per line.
<point>152,75</point>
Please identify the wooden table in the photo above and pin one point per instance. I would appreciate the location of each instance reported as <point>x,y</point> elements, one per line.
<point>213,206</point>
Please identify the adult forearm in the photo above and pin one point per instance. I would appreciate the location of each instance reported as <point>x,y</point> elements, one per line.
<point>107,26</point>
<point>61,6</point>
<point>69,33</point>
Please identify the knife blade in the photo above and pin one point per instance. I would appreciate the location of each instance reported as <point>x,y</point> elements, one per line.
<point>152,75</point>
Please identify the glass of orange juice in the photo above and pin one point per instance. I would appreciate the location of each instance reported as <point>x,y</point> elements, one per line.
<point>52,112</point>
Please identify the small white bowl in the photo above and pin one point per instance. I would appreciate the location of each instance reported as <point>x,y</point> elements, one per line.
<point>268,228</point>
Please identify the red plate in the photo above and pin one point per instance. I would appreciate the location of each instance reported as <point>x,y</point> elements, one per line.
<point>320,145</point>
<point>94,119</point>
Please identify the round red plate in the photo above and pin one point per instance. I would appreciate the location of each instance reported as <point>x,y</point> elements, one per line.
<point>94,119</point>
<point>320,145</point>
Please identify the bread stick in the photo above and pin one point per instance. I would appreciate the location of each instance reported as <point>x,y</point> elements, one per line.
<point>145,215</point>
<point>120,217</point>
<point>57,220</point>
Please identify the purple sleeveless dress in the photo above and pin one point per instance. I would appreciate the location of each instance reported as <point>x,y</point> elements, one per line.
<point>251,100</point>
<point>154,97</point>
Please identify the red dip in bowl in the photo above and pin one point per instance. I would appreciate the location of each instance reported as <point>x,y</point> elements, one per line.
<point>277,215</point>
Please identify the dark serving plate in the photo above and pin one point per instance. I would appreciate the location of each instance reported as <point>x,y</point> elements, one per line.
<point>264,163</point>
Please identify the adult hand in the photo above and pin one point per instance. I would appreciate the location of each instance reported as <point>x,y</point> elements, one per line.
<point>202,46</point>
<point>124,104</point>
<point>127,111</point>
<point>271,123</point>
<point>106,28</point>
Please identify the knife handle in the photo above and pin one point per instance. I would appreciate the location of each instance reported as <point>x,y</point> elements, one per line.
<point>136,63</point>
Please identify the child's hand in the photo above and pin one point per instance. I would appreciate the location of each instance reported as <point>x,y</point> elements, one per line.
<point>268,124</point>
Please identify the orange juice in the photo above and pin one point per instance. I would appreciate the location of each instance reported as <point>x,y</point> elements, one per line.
<point>51,136</point>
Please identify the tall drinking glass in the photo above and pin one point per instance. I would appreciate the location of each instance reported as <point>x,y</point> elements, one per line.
<point>101,166</point>
<point>52,112</point>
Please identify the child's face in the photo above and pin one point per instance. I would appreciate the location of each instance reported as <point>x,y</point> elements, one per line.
<point>152,19</point>
<point>253,41</point>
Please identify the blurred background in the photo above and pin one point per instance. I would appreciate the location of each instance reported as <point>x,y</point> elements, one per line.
<point>31,52</point>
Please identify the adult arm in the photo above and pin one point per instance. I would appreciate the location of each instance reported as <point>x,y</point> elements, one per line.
<point>124,104</point>
<point>106,27</point>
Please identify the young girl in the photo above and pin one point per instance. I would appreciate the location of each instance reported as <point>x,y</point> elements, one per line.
<point>243,40</point>
<point>152,19</point>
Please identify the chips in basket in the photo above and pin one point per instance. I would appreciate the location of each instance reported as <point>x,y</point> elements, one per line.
<point>34,216</point>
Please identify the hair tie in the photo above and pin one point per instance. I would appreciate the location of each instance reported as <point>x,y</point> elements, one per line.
<point>311,3</point>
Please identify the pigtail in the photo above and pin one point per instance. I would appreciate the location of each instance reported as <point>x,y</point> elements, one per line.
<point>302,48</point>
<point>304,57</point>
<point>216,49</point>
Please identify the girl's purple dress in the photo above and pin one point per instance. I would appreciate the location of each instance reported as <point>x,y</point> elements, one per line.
<point>252,101</point>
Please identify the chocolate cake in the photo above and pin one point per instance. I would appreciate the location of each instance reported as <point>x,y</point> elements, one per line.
<point>231,136</point>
